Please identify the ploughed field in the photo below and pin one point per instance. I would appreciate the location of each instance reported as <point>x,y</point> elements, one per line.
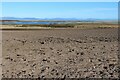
<point>60,53</point>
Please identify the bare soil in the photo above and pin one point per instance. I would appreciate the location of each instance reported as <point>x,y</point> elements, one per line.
<point>60,53</point>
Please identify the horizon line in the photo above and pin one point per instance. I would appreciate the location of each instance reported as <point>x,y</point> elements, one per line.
<point>58,17</point>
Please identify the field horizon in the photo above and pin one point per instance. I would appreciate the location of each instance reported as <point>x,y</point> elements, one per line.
<point>60,40</point>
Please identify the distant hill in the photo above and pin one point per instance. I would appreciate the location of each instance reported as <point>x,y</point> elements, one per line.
<point>60,19</point>
<point>14,18</point>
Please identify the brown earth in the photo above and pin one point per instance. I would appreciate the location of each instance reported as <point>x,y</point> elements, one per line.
<point>60,53</point>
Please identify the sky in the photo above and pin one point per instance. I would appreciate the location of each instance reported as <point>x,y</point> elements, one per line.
<point>81,10</point>
<point>60,0</point>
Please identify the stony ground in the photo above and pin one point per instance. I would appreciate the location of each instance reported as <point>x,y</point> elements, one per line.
<point>60,53</point>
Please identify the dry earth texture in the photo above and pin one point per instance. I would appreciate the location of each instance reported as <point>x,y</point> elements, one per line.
<point>60,53</point>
